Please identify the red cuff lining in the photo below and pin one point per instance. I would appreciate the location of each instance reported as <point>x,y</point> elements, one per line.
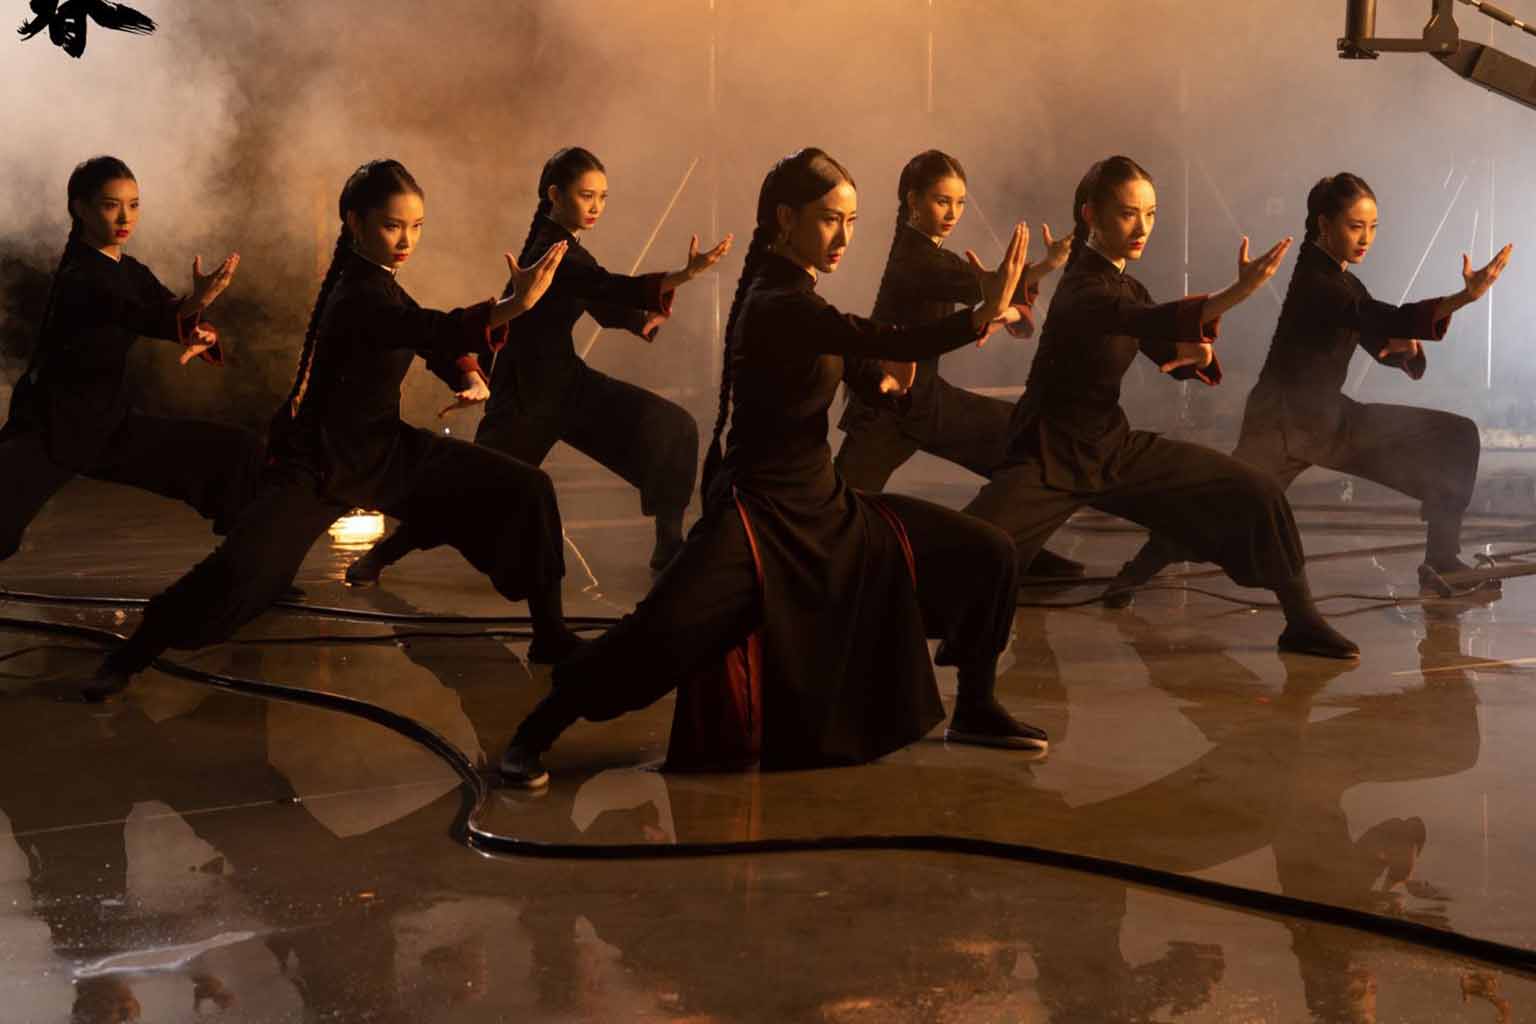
<point>477,323</point>
<point>1025,326</point>
<point>496,338</point>
<point>1211,375</point>
<point>214,354</point>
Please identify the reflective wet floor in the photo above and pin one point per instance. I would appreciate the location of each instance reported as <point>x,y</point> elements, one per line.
<point>188,853</point>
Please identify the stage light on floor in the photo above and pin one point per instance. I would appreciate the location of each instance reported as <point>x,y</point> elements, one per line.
<point>357,530</point>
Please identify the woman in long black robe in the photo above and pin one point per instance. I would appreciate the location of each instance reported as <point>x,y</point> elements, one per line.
<point>841,587</point>
<point>72,412</point>
<point>543,391</point>
<point>338,443</point>
<point>1073,447</point>
<point>923,281</point>
<point>1297,415</point>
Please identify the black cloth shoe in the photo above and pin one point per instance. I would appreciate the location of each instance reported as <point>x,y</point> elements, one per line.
<point>365,571</point>
<point>523,767</point>
<point>1049,565</point>
<point>1448,575</point>
<point>665,551</point>
<point>988,724</point>
<point>1147,563</point>
<point>105,684</point>
<point>1318,639</point>
<point>552,652</point>
<point>1120,595</point>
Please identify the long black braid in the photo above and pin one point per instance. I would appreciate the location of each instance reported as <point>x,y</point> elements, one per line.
<point>539,213</point>
<point>797,179</point>
<point>757,251</point>
<point>53,291</point>
<point>1097,189</point>
<point>368,189</point>
<point>307,353</point>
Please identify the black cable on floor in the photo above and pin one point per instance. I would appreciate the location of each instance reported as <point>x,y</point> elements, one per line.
<point>578,622</point>
<point>476,791</point>
<point>1376,600</point>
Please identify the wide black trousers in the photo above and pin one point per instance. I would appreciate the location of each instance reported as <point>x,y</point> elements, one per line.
<point>653,444</point>
<point>957,425</point>
<point>498,512</point>
<point>212,467</point>
<point>1225,510</point>
<point>708,601</point>
<point>1424,453</point>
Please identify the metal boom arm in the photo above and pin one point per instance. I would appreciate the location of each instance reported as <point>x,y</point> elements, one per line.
<point>1492,69</point>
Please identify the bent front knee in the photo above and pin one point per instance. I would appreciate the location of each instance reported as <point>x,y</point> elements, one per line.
<point>995,551</point>
<point>1466,438</point>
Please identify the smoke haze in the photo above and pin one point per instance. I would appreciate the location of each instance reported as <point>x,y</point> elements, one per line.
<point>243,120</point>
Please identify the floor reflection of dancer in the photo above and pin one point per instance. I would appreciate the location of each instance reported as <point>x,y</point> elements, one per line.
<point>1426,733</point>
<point>71,413</point>
<point>542,391</point>
<point>278,871</point>
<point>338,442</point>
<point>1297,416</point>
<point>847,675</point>
<point>73,829</point>
<point>1073,447</point>
<point>923,281</point>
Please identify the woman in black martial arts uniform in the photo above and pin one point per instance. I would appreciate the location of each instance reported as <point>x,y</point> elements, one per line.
<point>923,281</point>
<point>840,586</point>
<point>542,391</point>
<point>338,442</point>
<point>1072,445</point>
<point>1296,415</point>
<point>71,412</point>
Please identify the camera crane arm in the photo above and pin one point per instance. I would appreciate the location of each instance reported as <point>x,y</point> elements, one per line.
<point>1492,69</point>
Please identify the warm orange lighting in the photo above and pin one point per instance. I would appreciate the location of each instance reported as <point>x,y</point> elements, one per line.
<point>357,530</point>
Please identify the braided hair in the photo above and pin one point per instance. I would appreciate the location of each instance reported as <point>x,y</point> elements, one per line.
<point>1098,188</point>
<point>369,188</point>
<point>797,179</point>
<point>560,171</point>
<point>1331,196</point>
<point>920,174</point>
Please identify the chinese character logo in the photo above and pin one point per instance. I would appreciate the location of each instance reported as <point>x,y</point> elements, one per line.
<point>66,22</point>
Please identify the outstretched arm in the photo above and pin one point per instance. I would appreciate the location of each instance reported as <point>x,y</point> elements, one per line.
<point>698,262</point>
<point>1477,282</point>
<point>526,285</point>
<point>1339,303</point>
<point>807,323</point>
<point>1251,276</point>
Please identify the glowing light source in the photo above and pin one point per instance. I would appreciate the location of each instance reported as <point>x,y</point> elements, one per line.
<point>357,529</point>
